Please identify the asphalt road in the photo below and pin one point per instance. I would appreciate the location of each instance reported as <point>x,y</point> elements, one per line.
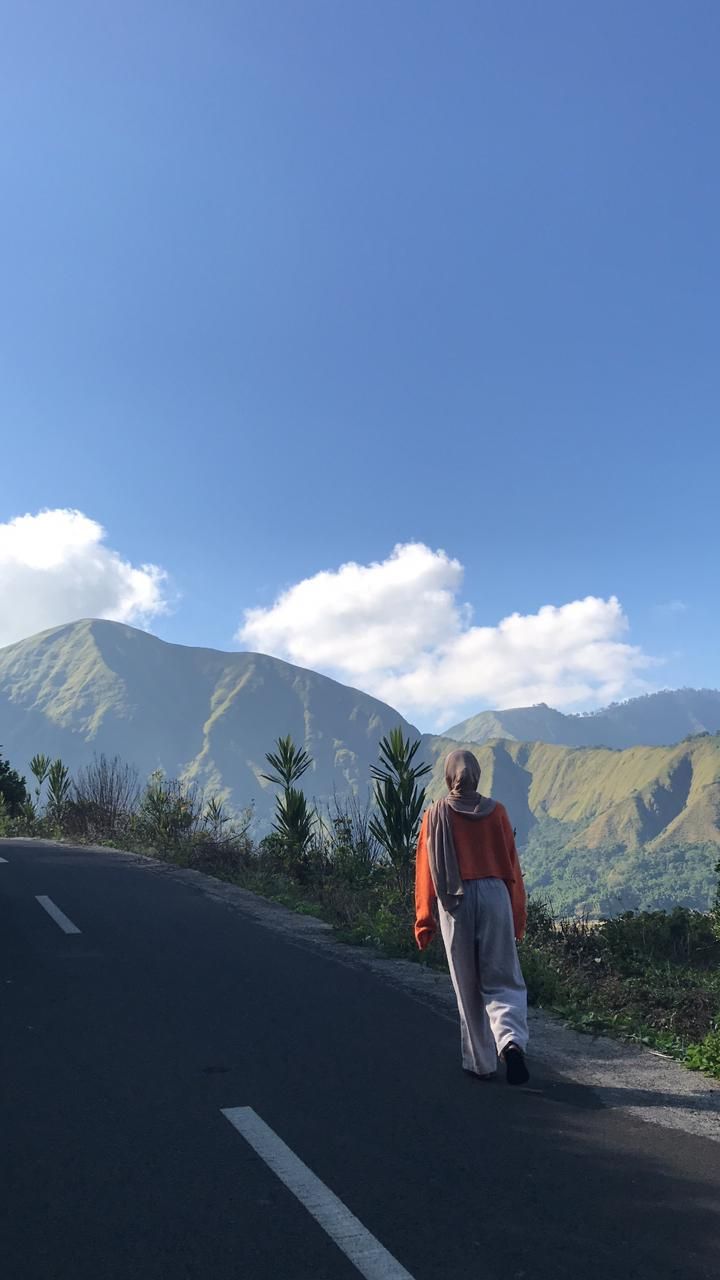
<point>123,1044</point>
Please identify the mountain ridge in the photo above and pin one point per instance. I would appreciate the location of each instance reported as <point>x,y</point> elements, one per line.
<point>601,826</point>
<point>203,714</point>
<point>603,830</point>
<point>653,719</point>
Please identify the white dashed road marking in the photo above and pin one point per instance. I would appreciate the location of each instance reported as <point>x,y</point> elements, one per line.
<point>58,916</point>
<point>364,1251</point>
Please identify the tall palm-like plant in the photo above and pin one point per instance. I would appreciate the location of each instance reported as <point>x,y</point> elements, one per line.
<point>59,784</point>
<point>288,761</point>
<point>40,768</point>
<point>293,819</point>
<point>399,801</point>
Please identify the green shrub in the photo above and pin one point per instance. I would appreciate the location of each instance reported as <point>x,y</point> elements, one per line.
<point>542,978</point>
<point>705,1056</point>
<point>225,858</point>
<point>170,812</point>
<point>390,925</point>
<point>27,821</point>
<point>680,937</point>
<point>541,925</point>
<point>354,852</point>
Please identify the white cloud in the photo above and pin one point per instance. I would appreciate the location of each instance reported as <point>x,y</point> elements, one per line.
<point>397,629</point>
<point>55,568</point>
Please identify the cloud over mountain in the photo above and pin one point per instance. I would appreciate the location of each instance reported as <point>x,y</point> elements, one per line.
<point>399,629</point>
<point>55,567</point>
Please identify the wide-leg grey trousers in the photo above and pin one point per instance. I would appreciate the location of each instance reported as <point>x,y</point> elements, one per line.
<point>480,944</point>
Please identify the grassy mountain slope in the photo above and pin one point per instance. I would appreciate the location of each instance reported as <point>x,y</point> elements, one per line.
<point>605,829</point>
<point>97,686</point>
<point>601,828</point>
<point>656,719</point>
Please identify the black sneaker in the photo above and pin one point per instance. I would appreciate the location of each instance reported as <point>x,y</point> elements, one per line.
<point>516,1071</point>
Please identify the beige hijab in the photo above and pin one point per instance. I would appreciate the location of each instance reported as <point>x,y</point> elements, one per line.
<point>462,774</point>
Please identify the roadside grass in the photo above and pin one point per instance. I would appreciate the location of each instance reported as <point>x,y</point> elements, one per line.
<point>651,977</point>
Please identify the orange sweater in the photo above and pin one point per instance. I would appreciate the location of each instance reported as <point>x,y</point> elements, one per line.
<point>485,847</point>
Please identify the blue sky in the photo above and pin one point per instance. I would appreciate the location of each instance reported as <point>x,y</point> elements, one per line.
<point>289,285</point>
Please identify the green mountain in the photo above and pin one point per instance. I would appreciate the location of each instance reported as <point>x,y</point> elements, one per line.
<point>95,686</point>
<point>657,719</point>
<point>599,828</point>
<point>606,830</point>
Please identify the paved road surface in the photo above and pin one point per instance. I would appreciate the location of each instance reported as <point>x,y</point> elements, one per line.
<point>124,1043</point>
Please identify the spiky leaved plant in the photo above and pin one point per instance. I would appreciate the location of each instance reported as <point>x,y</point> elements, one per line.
<point>293,819</point>
<point>58,793</point>
<point>40,767</point>
<point>399,801</point>
<point>215,818</point>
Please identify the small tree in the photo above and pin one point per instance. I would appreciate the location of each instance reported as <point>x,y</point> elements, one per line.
<point>399,802</point>
<point>293,819</point>
<point>12,789</point>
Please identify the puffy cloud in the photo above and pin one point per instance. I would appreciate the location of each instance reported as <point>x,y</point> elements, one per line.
<point>397,629</point>
<point>55,568</point>
<point>363,619</point>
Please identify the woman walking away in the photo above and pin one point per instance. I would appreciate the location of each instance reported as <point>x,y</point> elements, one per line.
<point>467,870</point>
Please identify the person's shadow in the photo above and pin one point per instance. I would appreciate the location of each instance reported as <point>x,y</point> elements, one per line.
<point>590,1098</point>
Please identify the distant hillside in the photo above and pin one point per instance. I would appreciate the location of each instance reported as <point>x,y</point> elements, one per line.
<point>97,686</point>
<point>601,828</point>
<point>657,719</point>
<point>608,830</point>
